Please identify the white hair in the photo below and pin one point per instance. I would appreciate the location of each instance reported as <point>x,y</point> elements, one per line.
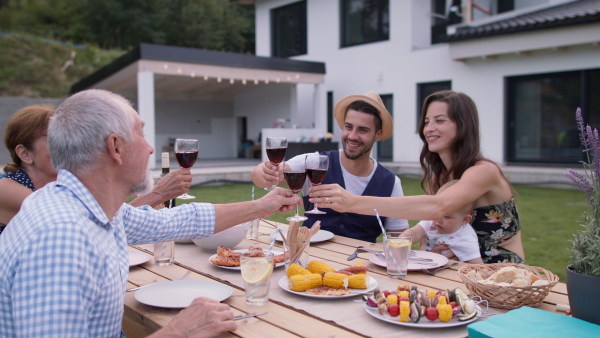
<point>78,130</point>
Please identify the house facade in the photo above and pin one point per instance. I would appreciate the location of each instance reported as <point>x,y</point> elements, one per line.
<point>527,64</point>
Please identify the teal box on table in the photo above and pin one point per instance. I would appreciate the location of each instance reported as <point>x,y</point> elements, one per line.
<point>530,322</point>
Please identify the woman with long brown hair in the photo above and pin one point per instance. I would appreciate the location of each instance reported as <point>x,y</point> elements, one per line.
<point>449,128</point>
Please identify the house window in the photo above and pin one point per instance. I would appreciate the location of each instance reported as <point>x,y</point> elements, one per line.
<point>288,30</point>
<point>385,148</point>
<point>424,90</point>
<point>364,21</point>
<point>541,126</point>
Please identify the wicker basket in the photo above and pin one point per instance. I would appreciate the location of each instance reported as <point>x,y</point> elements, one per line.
<point>508,297</point>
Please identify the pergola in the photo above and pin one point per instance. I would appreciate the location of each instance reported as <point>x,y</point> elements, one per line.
<point>150,72</point>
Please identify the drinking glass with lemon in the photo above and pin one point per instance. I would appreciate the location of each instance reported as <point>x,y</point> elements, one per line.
<point>256,273</point>
<point>397,252</point>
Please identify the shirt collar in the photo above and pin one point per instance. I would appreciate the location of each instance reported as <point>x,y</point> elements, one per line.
<point>70,182</point>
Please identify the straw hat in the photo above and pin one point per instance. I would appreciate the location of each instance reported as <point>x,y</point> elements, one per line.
<point>373,99</point>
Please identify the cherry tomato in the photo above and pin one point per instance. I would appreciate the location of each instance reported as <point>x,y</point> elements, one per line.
<point>386,293</point>
<point>431,313</point>
<point>394,310</point>
<point>453,304</point>
<point>402,299</point>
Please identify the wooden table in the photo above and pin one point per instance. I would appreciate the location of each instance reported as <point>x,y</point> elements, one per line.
<point>291,315</point>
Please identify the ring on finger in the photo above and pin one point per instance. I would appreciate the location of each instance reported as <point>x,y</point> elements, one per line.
<point>328,200</point>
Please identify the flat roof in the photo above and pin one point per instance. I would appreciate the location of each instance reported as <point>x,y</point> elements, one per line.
<point>199,63</point>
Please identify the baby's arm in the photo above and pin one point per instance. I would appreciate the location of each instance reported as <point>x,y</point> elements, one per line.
<point>418,234</point>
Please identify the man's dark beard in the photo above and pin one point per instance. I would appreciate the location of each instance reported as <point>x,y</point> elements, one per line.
<point>354,157</point>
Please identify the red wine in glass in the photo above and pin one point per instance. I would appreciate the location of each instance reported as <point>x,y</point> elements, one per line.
<point>316,176</point>
<point>186,152</point>
<point>295,178</point>
<point>275,148</point>
<point>186,159</point>
<point>276,155</point>
<point>316,169</point>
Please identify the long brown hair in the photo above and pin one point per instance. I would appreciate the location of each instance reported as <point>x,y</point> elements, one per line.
<point>465,148</point>
<point>24,127</point>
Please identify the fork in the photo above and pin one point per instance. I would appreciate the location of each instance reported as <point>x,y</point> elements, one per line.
<point>185,275</point>
<point>432,273</point>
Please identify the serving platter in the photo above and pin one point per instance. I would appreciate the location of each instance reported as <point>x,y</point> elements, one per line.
<point>423,323</point>
<point>282,263</point>
<point>283,283</point>
<point>320,236</point>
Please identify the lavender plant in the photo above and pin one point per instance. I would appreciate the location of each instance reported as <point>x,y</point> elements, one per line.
<point>585,253</point>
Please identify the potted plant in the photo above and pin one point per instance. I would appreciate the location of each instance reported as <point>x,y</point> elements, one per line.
<point>583,275</point>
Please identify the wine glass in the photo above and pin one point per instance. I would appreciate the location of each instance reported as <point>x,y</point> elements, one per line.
<point>295,176</point>
<point>316,170</point>
<point>186,152</point>
<point>276,148</point>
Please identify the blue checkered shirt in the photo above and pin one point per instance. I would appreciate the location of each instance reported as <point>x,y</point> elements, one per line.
<point>65,264</point>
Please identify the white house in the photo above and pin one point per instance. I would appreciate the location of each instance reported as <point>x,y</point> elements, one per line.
<point>527,64</point>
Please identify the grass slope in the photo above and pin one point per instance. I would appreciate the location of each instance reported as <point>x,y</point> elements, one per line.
<point>33,67</point>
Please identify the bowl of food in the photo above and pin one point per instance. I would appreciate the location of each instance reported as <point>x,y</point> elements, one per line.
<point>229,238</point>
<point>508,285</point>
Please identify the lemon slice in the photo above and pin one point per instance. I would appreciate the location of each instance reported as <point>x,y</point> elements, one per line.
<point>399,244</point>
<point>256,270</point>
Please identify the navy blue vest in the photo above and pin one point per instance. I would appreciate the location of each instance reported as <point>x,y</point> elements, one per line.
<point>357,226</point>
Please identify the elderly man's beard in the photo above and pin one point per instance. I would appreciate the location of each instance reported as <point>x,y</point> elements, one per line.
<point>145,187</point>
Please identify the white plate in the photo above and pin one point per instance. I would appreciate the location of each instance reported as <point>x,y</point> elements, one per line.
<point>423,322</point>
<point>179,294</point>
<point>438,260</point>
<point>237,267</point>
<point>137,257</point>
<point>320,236</point>
<point>283,283</point>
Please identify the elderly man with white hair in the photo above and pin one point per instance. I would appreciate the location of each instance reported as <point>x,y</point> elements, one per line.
<point>65,261</point>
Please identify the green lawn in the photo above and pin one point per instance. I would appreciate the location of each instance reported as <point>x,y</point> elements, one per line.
<point>549,217</point>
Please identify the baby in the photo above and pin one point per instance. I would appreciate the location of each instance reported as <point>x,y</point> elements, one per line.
<point>452,230</point>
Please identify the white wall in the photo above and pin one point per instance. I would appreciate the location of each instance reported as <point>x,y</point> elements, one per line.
<point>263,105</point>
<point>396,66</point>
<point>208,121</point>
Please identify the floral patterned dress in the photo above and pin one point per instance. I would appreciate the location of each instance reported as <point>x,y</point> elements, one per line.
<point>495,224</point>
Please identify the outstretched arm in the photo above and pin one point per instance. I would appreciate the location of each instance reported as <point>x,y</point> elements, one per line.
<point>266,174</point>
<point>476,182</point>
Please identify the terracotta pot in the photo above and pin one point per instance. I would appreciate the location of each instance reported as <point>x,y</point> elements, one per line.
<point>584,292</point>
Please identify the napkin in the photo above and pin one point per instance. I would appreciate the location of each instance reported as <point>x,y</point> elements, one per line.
<point>530,322</point>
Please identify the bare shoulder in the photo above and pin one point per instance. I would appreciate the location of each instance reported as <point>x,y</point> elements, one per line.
<point>12,190</point>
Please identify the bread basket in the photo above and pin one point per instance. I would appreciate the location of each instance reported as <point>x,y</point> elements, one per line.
<point>508,297</point>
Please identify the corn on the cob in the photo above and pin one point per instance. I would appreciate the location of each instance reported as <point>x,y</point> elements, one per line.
<point>304,282</point>
<point>358,264</point>
<point>335,280</point>
<point>444,311</point>
<point>404,311</point>
<point>319,267</point>
<point>442,300</point>
<point>295,269</point>
<point>392,299</point>
<point>431,294</point>
<point>403,294</point>
<point>358,281</point>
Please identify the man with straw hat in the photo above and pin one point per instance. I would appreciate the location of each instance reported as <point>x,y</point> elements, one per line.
<point>364,120</point>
